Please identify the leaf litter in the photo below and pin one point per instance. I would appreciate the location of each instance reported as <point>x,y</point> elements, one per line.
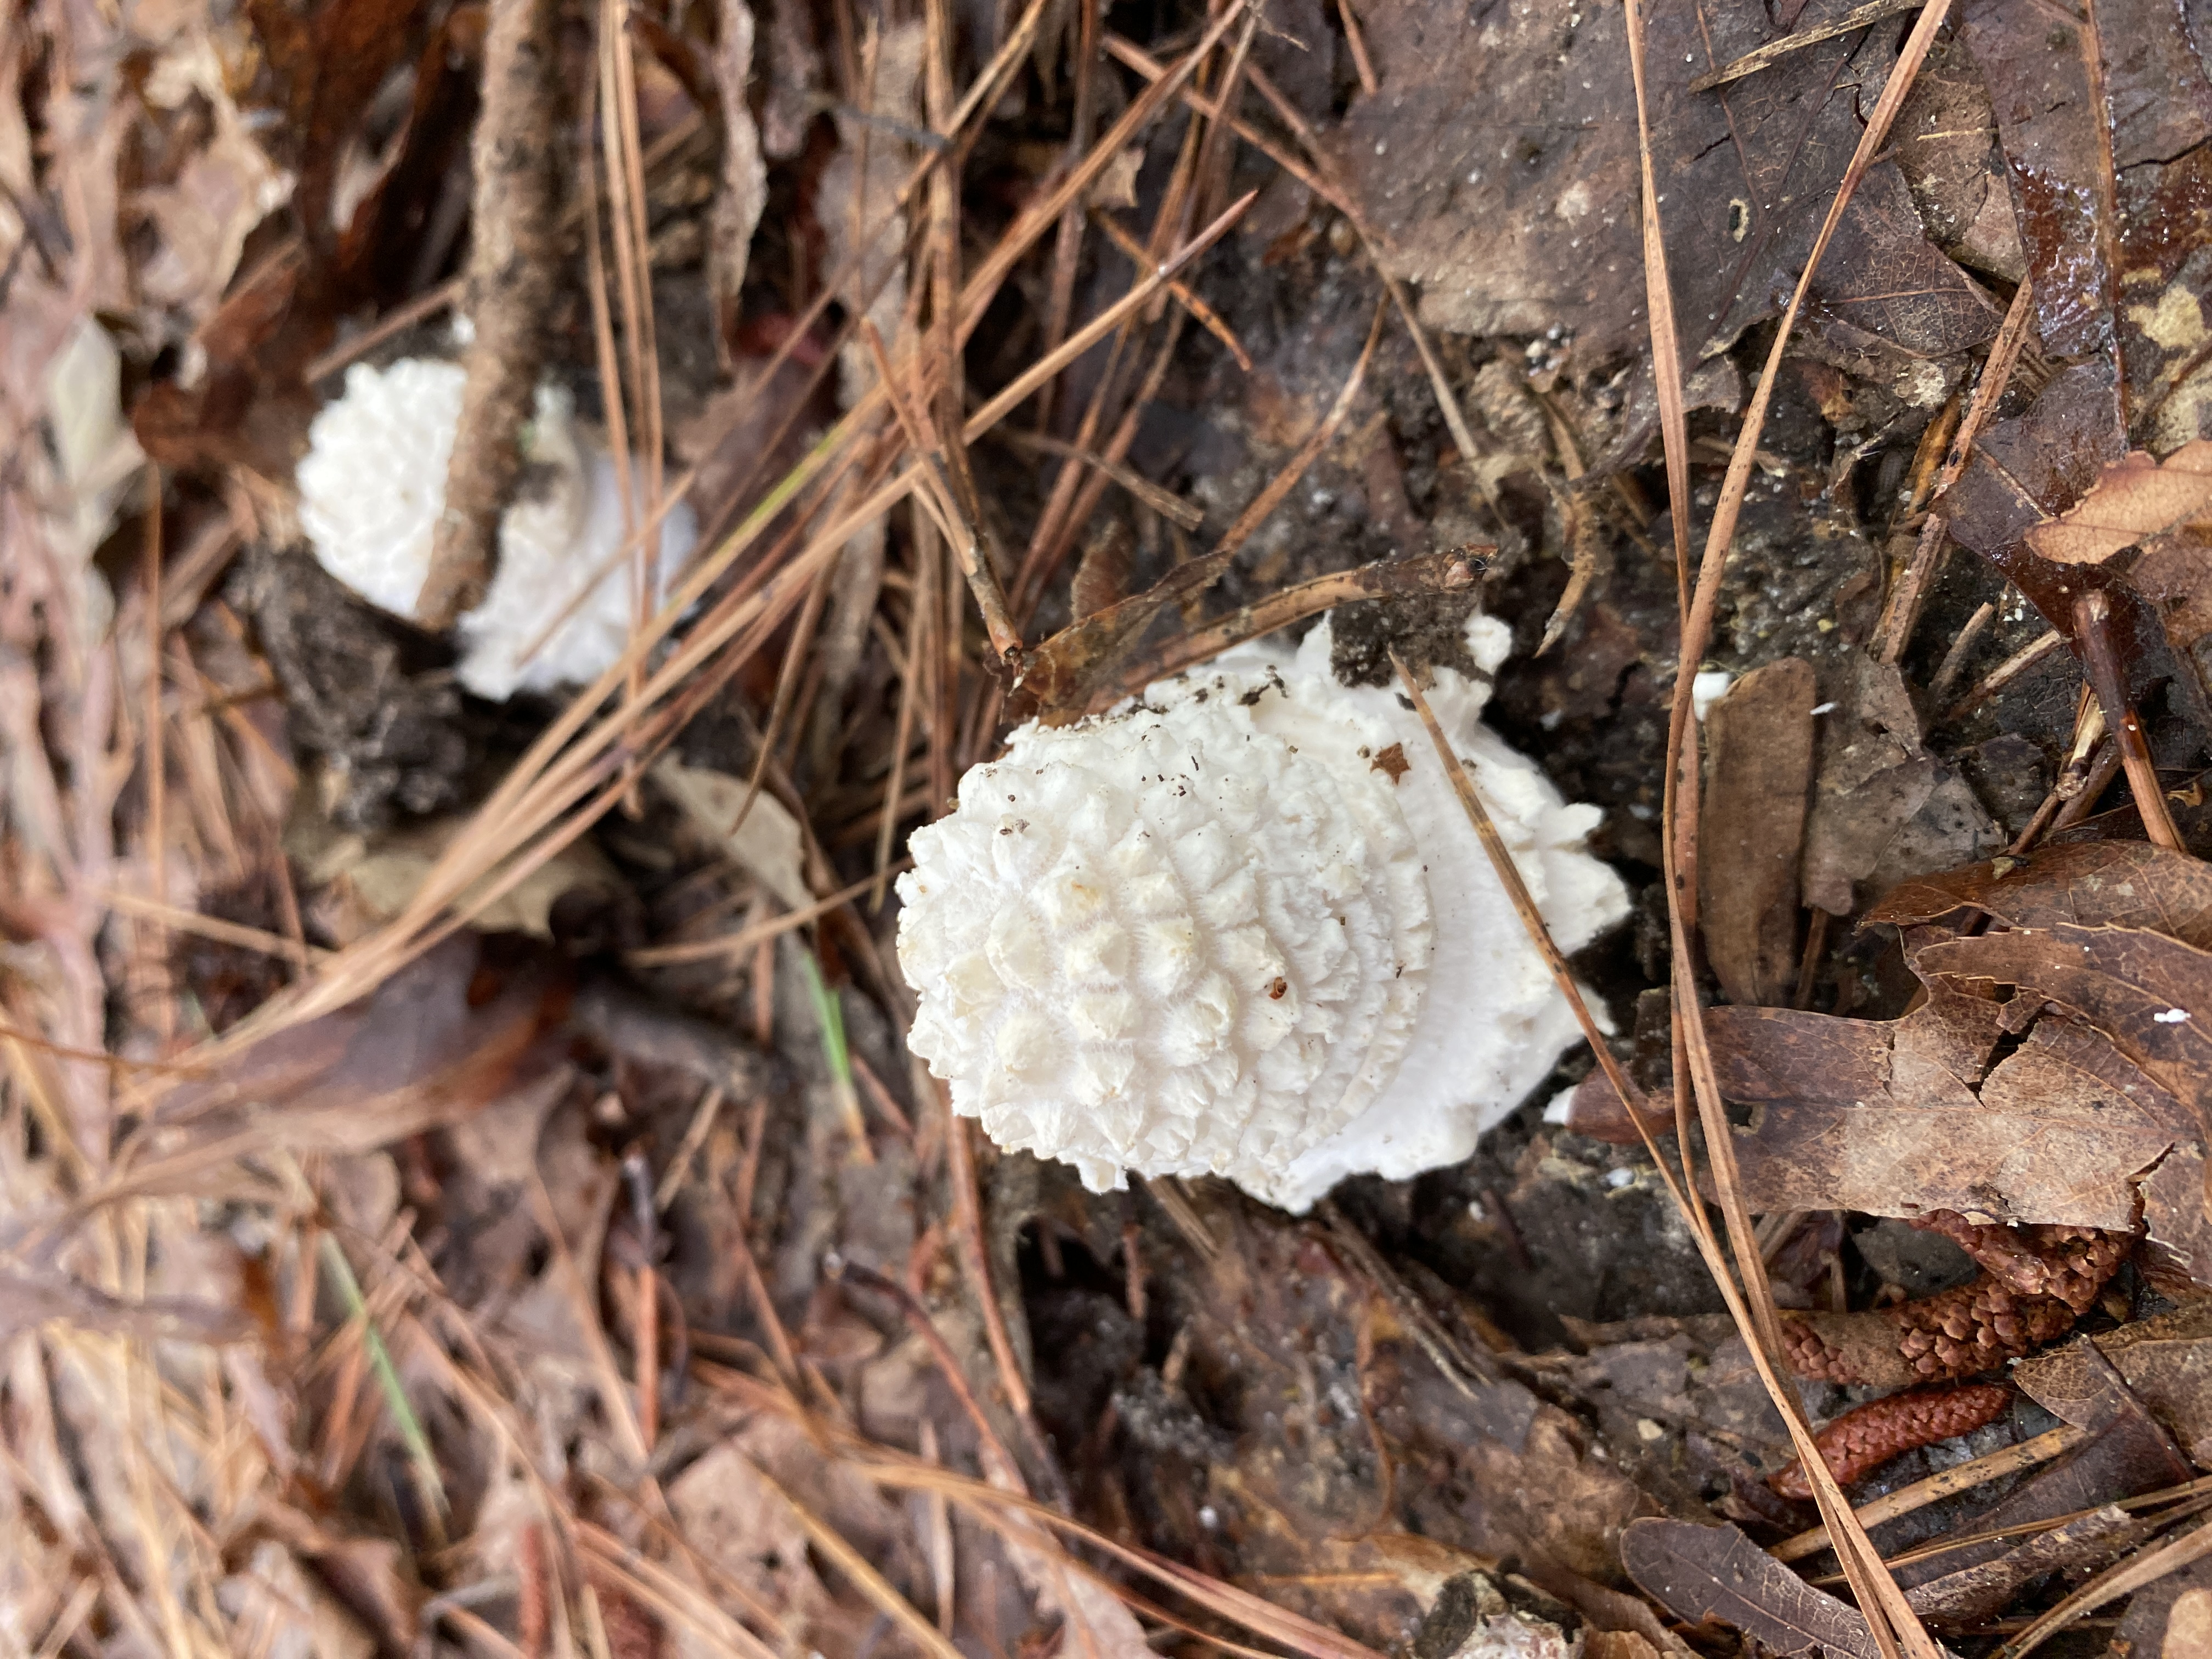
<point>465,1184</point>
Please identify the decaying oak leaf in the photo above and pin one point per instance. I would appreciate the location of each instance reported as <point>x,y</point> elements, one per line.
<point>1698,1573</point>
<point>2164,1362</point>
<point>2149,994</point>
<point>1907,1116</point>
<point>2091,883</point>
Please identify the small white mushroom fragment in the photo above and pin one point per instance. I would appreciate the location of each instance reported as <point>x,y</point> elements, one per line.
<point>1242,926</point>
<point>374,482</point>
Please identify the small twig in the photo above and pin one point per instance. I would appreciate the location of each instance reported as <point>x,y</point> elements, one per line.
<point>2092,626</point>
<point>2145,1567</point>
<point>2004,674</point>
<point>1427,573</point>
<point>213,927</point>
<point>1202,313</point>
<point>2007,1459</point>
<point>1501,861</point>
<point>695,1137</point>
<point>918,1321</point>
<point>1954,660</point>
<point>513,267</point>
<point>1160,499</point>
<point>1775,51</point>
<point>1097,329</point>
<point>2090,785</point>
<point>1902,610</point>
<point>1358,42</point>
<point>760,932</point>
<point>157,759</point>
<point>2085,755</point>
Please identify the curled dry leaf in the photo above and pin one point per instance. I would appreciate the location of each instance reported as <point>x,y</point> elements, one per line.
<point>2136,498</point>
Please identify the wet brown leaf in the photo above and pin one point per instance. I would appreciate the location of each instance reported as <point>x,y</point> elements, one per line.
<point>2039,73</point>
<point>1700,1573</point>
<point>1946,149</point>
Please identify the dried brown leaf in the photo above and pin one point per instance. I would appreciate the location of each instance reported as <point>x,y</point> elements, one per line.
<point>1902,1118</point>
<point>1701,1573</point>
<point>2134,499</point>
<point>2151,995</point>
<point>2165,1362</point>
<point>1759,782</point>
<point>2091,883</point>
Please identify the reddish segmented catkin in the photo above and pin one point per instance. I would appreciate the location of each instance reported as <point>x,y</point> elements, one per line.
<point>1861,1441</point>
<point>2035,1281</point>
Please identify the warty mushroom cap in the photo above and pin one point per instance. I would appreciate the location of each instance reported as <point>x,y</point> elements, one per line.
<point>1242,926</point>
<point>373,485</point>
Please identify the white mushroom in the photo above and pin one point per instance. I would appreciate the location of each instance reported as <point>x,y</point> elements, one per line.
<point>374,482</point>
<point>1242,926</point>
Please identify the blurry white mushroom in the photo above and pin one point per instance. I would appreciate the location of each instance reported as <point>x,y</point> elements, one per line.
<point>374,482</point>
<point>1242,926</point>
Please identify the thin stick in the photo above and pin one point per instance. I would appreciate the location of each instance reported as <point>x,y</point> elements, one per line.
<point>1424,573</point>
<point>1892,1621</point>
<point>157,757</point>
<point>213,928</point>
<point>1965,1477</point>
<point>1902,611</point>
<point>1162,500</point>
<point>2092,626</point>
<point>1358,42</point>
<point>2005,673</point>
<point>1954,660</point>
<point>1501,861</point>
<point>1774,51</point>
<point>1202,313</point>
<point>1099,326</point>
<point>2145,1567</point>
<point>737,944</point>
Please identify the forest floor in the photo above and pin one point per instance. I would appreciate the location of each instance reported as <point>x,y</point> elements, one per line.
<point>464,1187</point>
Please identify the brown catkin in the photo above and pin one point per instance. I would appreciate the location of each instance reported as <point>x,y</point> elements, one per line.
<point>1861,1441</point>
<point>2035,1281</point>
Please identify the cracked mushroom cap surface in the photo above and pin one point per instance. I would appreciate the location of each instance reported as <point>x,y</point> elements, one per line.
<point>1233,928</point>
